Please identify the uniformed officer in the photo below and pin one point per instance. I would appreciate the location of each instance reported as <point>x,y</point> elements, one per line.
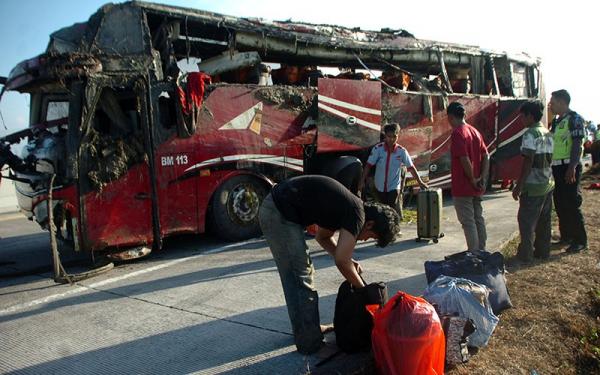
<point>568,133</point>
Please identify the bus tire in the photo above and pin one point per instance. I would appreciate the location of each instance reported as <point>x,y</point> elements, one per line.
<point>235,206</point>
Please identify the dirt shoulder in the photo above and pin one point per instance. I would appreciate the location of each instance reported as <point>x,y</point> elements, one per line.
<point>554,326</point>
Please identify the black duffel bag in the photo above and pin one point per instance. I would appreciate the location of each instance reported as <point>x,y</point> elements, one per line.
<point>482,268</point>
<point>352,322</point>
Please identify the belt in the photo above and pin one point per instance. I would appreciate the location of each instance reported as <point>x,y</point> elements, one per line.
<point>561,162</point>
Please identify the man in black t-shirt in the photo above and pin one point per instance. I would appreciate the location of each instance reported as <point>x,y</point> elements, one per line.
<point>305,200</point>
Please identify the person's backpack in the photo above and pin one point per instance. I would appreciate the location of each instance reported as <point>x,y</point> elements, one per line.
<point>352,322</point>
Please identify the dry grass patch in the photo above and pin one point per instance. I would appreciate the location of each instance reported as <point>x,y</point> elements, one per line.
<point>554,326</point>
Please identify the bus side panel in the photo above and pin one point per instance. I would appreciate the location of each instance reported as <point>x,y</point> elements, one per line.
<point>349,114</point>
<point>507,160</point>
<point>412,111</point>
<point>416,110</point>
<point>178,207</point>
<point>481,113</point>
<point>407,109</point>
<point>240,128</point>
<point>120,214</point>
<point>252,117</point>
<point>418,143</point>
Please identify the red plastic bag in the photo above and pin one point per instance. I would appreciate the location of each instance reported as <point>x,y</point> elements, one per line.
<point>407,337</point>
<point>312,230</point>
<point>194,91</point>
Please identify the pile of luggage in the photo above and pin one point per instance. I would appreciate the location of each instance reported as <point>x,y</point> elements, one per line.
<point>468,291</point>
<point>456,315</point>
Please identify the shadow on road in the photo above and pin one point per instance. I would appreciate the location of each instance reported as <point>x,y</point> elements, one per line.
<point>320,259</point>
<point>215,345</point>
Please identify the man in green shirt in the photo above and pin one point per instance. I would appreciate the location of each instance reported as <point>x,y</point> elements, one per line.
<point>535,185</point>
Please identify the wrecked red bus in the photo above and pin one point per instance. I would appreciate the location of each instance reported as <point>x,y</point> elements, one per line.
<point>157,120</point>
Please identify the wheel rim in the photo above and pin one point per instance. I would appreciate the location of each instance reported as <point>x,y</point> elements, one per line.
<point>243,204</point>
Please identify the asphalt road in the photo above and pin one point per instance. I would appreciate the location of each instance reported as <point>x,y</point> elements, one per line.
<point>198,306</point>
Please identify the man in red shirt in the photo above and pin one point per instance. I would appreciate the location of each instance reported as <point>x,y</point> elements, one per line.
<point>470,166</point>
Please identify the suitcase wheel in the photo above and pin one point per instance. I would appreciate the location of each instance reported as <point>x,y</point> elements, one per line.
<point>441,235</point>
<point>435,240</point>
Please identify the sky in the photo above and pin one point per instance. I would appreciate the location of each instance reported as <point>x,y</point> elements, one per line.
<point>565,37</point>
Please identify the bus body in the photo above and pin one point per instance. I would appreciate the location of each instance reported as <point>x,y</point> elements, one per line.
<point>141,151</point>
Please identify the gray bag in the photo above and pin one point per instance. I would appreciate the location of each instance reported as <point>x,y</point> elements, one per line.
<point>429,215</point>
<point>466,299</point>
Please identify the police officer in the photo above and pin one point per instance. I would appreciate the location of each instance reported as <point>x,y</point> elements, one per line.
<point>568,133</point>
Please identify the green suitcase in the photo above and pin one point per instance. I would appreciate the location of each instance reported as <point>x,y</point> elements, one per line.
<point>429,215</point>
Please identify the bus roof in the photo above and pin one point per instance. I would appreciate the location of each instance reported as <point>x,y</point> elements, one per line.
<point>297,40</point>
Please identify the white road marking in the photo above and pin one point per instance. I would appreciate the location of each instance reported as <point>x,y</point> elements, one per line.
<point>39,301</point>
<point>227,247</point>
<point>247,361</point>
<point>84,288</point>
<point>7,217</point>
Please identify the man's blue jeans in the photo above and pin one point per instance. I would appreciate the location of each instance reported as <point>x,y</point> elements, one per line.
<point>289,249</point>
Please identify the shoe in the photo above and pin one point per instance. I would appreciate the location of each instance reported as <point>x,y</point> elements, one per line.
<point>560,242</point>
<point>327,351</point>
<point>326,328</point>
<point>477,252</point>
<point>575,248</point>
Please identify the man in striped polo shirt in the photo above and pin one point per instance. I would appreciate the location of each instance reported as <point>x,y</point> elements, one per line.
<point>535,185</point>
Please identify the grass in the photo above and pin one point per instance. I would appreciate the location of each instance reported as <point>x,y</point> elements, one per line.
<point>554,326</point>
<point>510,248</point>
<point>409,216</point>
<point>591,343</point>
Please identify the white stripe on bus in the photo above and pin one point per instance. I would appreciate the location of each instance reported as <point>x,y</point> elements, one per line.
<point>287,162</point>
<point>353,107</point>
<point>343,115</point>
<point>446,177</point>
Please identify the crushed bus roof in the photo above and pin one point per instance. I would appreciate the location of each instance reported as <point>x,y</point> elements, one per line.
<point>303,40</point>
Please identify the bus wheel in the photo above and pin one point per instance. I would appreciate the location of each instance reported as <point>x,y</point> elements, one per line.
<point>235,208</point>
